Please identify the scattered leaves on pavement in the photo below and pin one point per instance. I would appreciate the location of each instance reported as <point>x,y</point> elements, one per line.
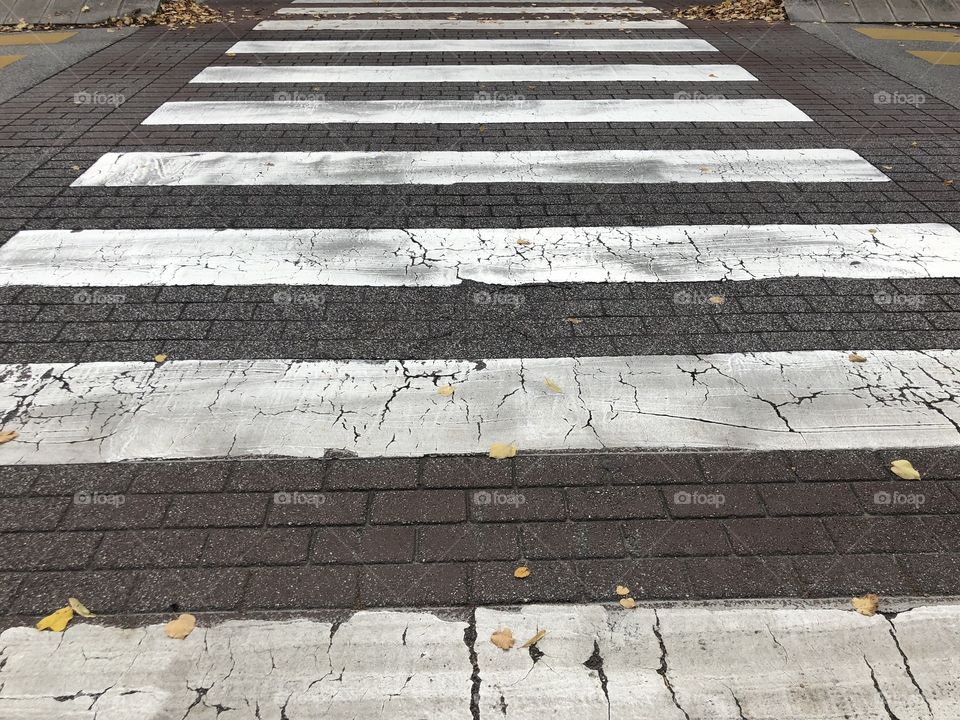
<point>903,469</point>
<point>8,435</point>
<point>502,451</point>
<point>865,604</point>
<point>769,10</point>
<point>79,608</point>
<point>445,390</point>
<point>856,357</point>
<point>521,572</point>
<point>502,638</point>
<point>552,386</point>
<point>628,603</point>
<point>623,590</point>
<point>56,621</point>
<point>535,639</point>
<point>181,627</point>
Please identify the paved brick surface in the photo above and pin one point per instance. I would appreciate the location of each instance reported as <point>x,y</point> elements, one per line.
<point>346,533</point>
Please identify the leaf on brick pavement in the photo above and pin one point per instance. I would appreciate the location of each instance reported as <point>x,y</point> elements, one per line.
<point>521,572</point>
<point>181,627</point>
<point>866,604</point>
<point>535,639</point>
<point>628,603</point>
<point>502,638</point>
<point>716,299</point>
<point>904,469</point>
<point>502,451</point>
<point>8,435</point>
<point>159,358</point>
<point>856,357</point>
<point>56,621</point>
<point>622,590</point>
<point>79,608</point>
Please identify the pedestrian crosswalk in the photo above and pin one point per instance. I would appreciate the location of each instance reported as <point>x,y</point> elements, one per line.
<point>239,407</point>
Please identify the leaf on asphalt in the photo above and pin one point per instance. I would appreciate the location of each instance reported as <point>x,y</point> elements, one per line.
<point>856,357</point>
<point>160,358</point>
<point>903,469</point>
<point>535,639</point>
<point>502,638</point>
<point>521,572</point>
<point>445,390</point>
<point>56,621</point>
<point>948,183</point>
<point>574,321</point>
<point>79,608</point>
<point>552,386</point>
<point>8,435</point>
<point>628,603</point>
<point>623,590</point>
<point>502,451</point>
<point>181,627</point>
<point>866,604</point>
<point>716,299</point>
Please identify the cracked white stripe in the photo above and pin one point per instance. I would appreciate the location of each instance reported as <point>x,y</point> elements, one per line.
<point>474,73</point>
<point>468,45</point>
<point>448,168</point>
<point>278,112</point>
<point>113,411</point>
<point>431,24</point>
<point>594,663</point>
<point>441,257</point>
<point>471,10</point>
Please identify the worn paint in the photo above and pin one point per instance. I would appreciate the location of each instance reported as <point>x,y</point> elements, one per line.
<point>473,45</point>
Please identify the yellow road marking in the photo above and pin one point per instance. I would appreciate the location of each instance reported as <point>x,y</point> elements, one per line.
<point>935,57</point>
<point>9,59</point>
<point>39,38</point>
<point>878,33</point>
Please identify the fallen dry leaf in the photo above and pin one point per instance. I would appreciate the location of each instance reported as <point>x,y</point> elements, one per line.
<point>856,357</point>
<point>552,386</point>
<point>523,241</point>
<point>79,608</point>
<point>445,390</point>
<point>903,469</point>
<point>769,10</point>
<point>181,627</point>
<point>574,321</point>
<point>716,299</point>
<point>8,435</point>
<point>622,590</point>
<point>56,621</point>
<point>628,603</point>
<point>502,638</point>
<point>535,639</point>
<point>865,604</point>
<point>502,451</point>
<point>948,183</point>
<point>521,572</point>
<point>160,358</point>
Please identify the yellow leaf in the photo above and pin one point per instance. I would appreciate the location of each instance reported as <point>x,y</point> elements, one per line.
<point>716,299</point>
<point>628,603</point>
<point>7,435</point>
<point>865,604</point>
<point>160,358</point>
<point>502,638</point>
<point>79,608</point>
<point>622,590</point>
<point>856,357</point>
<point>57,621</point>
<point>523,241</point>
<point>445,390</point>
<point>502,451</point>
<point>231,54</point>
<point>181,627</point>
<point>903,469</point>
<point>551,385</point>
<point>521,572</point>
<point>535,639</point>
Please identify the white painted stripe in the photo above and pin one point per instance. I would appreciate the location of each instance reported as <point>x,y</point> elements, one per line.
<point>114,411</point>
<point>430,24</point>
<point>471,45</point>
<point>445,257</point>
<point>785,660</point>
<point>470,73</point>
<point>469,10</point>
<point>460,3</point>
<point>448,168</point>
<point>263,112</point>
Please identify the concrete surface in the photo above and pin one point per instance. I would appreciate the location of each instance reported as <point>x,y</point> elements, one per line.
<point>886,11</point>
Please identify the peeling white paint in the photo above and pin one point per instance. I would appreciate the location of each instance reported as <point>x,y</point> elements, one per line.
<point>450,167</point>
<point>473,73</point>
<point>473,45</point>
<point>594,663</point>
<point>471,10</point>
<point>278,112</point>
<point>113,411</point>
<point>441,257</point>
<point>431,24</point>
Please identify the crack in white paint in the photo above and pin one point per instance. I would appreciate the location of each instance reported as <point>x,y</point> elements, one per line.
<point>594,663</point>
<point>482,73</point>
<point>491,24</point>
<point>278,112</point>
<point>473,45</point>
<point>115,411</point>
<point>439,257</point>
<point>450,167</point>
<point>472,10</point>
